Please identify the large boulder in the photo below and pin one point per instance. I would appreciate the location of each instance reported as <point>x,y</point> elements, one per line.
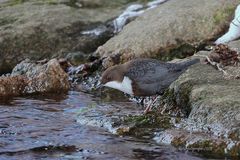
<point>171,29</point>
<point>211,99</point>
<point>45,29</point>
<point>210,102</point>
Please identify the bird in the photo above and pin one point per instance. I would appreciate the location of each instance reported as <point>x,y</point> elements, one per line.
<point>143,77</point>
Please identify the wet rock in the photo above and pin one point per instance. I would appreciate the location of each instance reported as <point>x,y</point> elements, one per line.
<point>86,77</point>
<point>33,29</point>
<point>166,35</point>
<point>29,77</point>
<point>118,115</point>
<point>49,77</point>
<point>122,118</point>
<point>106,115</point>
<point>76,58</point>
<point>143,125</point>
<point>199,142</point>
<point>12,86</point>
<point>210,102</point>
<point>84,70</point>
<point>206,97</point>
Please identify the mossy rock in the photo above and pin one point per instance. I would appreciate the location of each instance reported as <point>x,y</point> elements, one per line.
<point>144,125</point>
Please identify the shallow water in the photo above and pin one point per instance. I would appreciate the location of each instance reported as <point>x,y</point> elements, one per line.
<point>45,127</point>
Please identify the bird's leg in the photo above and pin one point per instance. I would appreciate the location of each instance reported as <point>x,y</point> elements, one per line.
<point>149,106</point>
<point>142,101</point>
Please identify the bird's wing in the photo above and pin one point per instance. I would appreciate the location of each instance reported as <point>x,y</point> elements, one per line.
<point>149,70</point>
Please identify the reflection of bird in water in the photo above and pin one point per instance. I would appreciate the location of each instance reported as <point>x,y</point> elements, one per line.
<point>144,77</point>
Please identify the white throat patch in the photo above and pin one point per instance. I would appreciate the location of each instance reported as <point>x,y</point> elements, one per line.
<point>124,86</point>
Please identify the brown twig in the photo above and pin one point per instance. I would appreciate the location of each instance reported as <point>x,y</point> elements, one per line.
<point>216,65</point>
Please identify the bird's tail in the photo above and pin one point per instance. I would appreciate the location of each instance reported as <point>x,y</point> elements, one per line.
<point>186,64</point>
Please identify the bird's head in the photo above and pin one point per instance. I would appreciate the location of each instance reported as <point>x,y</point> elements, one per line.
<point>112,74</point>
<point>114,77</point>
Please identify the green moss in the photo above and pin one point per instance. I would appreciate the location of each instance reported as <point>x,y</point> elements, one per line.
<point>235,136</point>
<point>200,144</point>
<point>72,3</point>
<point>52,2</point>
<point>139,120</point>
<point>179,142</point>
<point>223,15</point>
<point>183,50</point>
<point>235,151</point>
<point>209,148</point>
<point>152,120</point>
<point>144,125</point>
<point>15,2</point>
<point>5,21</point>
<point>169,97</point>
<point>178,101</point>
<point>182,97</point>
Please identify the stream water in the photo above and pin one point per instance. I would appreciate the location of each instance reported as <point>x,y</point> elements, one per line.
<point>44,127</point>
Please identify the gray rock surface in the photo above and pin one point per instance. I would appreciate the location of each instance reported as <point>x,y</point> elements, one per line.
<point>235,45</point>
<point>171,29</point>
<point>210,101</point>
<point>44,29</point>
<point>213,100</point>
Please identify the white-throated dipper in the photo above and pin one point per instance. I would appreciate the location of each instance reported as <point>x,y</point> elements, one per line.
<point>144,76</point>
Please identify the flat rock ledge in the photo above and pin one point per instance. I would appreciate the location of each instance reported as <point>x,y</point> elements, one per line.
<point>28,78</point>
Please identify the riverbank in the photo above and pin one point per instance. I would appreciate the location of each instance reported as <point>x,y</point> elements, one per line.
<point>199,111</point>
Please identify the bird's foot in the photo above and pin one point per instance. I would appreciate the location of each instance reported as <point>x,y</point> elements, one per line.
<point>149,106</point>
<point>148,109</point>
